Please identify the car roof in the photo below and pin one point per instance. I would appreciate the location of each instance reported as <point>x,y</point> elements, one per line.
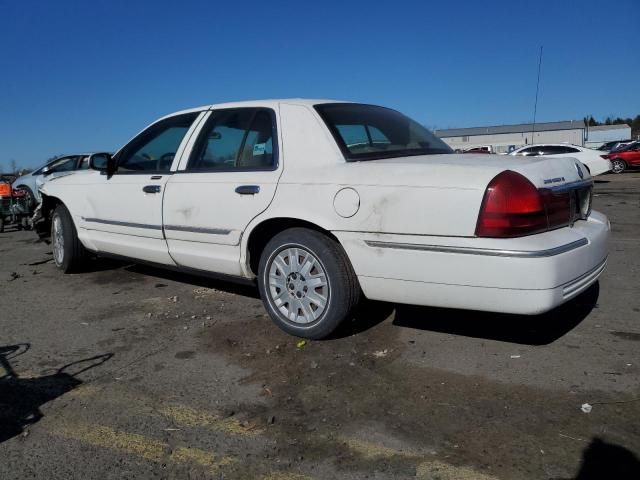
<point>269,103</point>
<point>550,145</point>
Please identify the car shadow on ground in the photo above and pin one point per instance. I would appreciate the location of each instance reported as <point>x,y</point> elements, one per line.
<point>367,315</point>
<point>603,460</point>
<point>22,398</point>
<point>522,329</point>
<point>104,264</point>
<point>224,285</point>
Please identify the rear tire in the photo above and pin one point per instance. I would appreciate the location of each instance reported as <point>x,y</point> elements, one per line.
<point>68,252</point>
<point>618,165</point>
<point>307,283</point>
<point>1,225</point>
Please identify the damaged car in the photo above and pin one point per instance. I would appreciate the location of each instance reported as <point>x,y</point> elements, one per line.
<point>321,203</point>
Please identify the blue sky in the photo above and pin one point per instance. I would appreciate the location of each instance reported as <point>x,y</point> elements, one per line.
<point>87,75</point>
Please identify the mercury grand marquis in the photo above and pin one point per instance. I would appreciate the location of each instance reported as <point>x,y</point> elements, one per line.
<point>322,202</point>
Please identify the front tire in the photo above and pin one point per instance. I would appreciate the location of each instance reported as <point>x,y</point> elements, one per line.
<point>31,199</point>
<point>307,283</point>
<point>68,252</point>
<point>618,165</point>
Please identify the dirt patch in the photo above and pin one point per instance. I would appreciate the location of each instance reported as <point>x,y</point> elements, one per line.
<point>326,398</point>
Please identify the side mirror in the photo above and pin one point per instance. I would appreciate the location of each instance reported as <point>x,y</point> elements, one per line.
<point>46,170</point>
<point>103,162</point>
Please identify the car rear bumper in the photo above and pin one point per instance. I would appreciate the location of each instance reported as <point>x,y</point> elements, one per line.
<point>599,167</point>
<point>527,275</point>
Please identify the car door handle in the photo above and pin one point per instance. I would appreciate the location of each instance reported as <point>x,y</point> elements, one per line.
<point>248,189</point>
<point>151,189</point>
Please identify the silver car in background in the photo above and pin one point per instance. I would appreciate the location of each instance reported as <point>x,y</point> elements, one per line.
<point>64,165</point>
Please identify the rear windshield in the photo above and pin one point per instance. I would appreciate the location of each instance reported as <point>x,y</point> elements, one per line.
<point>368,132</point>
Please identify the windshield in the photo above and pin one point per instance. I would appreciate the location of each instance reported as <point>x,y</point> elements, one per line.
<point>368,132</point>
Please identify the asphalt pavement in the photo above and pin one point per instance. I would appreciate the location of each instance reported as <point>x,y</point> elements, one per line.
<point>126,371</point>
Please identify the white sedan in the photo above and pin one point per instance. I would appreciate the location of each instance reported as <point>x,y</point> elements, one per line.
<point>594,160</point>
<point>320,202</point>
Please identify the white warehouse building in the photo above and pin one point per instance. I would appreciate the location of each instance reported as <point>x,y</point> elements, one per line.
<point>596,136</point>
<point>504,138</point>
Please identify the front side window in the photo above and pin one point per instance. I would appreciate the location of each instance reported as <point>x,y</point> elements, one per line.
<point>369,132</point>
<point>66,164</point>
<point>235,139</point>
<point>84,163</point>
<point>155,148</point>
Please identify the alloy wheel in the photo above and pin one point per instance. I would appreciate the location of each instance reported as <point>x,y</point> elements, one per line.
<point>617,166</point>
<point>298,285</point>
<point>58,240</point>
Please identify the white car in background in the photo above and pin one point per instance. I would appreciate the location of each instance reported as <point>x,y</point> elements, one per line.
<point>64,165</point>
<point>320,202</point>
<point>593,159</point>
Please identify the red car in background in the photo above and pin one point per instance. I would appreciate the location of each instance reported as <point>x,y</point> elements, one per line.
<point>628,156</point>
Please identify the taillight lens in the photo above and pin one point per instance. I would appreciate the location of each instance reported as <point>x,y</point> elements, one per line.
<point>514,207</point>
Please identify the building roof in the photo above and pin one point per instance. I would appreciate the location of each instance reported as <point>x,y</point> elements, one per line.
<point>622,126</point>
<point>518,128</point>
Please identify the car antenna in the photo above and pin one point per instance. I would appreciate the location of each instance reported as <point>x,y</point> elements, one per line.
<point>535,105</point>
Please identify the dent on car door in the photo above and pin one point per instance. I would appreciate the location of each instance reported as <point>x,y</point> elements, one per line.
<point>229,178</point>
<point>124,214</point>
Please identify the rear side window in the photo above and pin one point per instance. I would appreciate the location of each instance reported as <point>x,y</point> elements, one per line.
<point>557,150</point>
<point>369,132</point>
<point>235,139</point>
<point>551,150</point>
<point>529,152</point>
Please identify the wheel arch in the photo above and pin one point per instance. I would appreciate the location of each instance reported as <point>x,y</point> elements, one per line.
<point>257,238</point>
<point>42,218</point>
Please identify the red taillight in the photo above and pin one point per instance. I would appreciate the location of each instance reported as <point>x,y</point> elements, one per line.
<point>558,206</point>
<point>514,207</point>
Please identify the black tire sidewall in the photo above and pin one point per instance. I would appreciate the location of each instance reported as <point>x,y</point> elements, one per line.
<point>318,245</point>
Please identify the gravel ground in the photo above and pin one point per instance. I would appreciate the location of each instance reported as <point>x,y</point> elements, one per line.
<point>126,371</point>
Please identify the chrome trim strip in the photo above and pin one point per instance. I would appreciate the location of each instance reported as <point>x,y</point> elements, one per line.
<point>577,284</point>
<point>571,186</point>
<point>481,251</point>
<point>210,231</point>
<point>122,224</point>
